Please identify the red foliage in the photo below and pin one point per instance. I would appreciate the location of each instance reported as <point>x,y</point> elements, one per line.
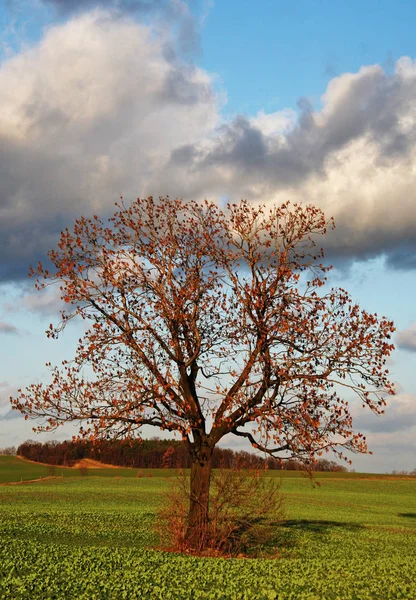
<point>208,323</point>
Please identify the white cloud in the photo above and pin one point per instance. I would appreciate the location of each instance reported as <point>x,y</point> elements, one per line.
<point>356,158</point>
<point>90,113</point>
<point>44,302</point>
<point>276,123</point>
<point>99,108</point>
<point>390,437</point>
<point>406,339</point>
<point>391,451</point>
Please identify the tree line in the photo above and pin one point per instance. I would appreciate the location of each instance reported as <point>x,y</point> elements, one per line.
<point>154,453</point>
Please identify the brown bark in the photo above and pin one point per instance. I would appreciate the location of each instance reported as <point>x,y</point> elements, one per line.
<point>197,533</point>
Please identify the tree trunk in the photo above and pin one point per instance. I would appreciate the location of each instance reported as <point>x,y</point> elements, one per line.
<point>197,529</point>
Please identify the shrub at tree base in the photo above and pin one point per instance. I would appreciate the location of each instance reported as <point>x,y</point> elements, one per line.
<point>245,508</point>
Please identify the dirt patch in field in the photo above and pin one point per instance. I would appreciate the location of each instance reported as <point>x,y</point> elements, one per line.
<point>84,463</point>
<point>23,481</point>
<point>89,463</point>
<point>35,462</point>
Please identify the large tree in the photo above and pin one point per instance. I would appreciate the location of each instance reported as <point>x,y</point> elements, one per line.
<point>208,322</point>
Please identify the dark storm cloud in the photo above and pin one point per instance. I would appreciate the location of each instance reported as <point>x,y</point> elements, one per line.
<point>402,259</point>
<point>239,145</point>
<point>30,183</point>
<point>25,246</point>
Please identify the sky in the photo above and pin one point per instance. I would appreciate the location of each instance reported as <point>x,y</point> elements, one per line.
<point>312,101</point>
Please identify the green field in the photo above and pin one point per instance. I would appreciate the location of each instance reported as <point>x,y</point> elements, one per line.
<point>88,537</point>
<point>14,469</point>
<point>17,470</point>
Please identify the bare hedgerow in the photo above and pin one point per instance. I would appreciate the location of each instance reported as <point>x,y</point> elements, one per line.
<point>51,470</point>
<point>83,469</point>
<point>245,507</point>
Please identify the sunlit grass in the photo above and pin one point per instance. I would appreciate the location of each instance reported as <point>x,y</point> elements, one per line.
<point>89,537</point>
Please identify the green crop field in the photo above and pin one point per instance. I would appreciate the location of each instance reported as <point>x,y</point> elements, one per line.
<point>91,537</point>
<point>16,470</point>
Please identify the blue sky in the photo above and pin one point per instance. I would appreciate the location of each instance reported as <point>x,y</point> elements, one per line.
<point>313,101</point>
<point>271,53</point>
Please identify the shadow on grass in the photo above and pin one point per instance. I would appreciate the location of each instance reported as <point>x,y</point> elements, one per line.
<point>408,515</point>
<point>319,526</point>
<point>286,535</point>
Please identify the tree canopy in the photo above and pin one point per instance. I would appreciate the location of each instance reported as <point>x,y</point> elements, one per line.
<point>208,322</point>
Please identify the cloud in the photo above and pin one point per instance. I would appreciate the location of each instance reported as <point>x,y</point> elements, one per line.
<point>391,451</point>
<point>100,108</point>
<point>406,339</point>
<point>90,113</point>
<point>174,15</point>
<point>179,21</point>
<point>8,328</point>
<point>14,432</point>
<point>44,302</point>
<point>9,415</point>
<point>356,158</point>
<point>400,415</point>
<point>6,390</point>
<point>69,6</point>
<point>129,6</point>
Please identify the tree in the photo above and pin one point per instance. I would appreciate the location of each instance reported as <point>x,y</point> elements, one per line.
<point>207,322</point>
<point>9,451</point>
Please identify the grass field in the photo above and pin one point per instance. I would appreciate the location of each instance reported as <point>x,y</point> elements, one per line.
<point>17,470</point>
<point>88,537</point>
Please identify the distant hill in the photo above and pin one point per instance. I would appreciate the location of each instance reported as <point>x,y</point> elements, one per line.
<point>154,453</point>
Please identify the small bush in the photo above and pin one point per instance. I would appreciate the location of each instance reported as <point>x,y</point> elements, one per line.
<point>245,508</point>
